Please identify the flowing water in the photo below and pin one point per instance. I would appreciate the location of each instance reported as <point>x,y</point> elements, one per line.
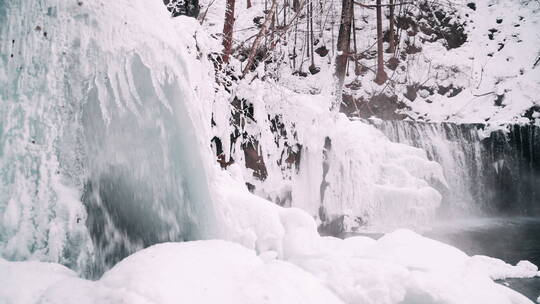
<point>493,173</point>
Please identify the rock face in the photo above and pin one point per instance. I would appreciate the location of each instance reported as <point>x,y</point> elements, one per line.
<point>177,8</point>
<point>497,174</point>
<point>515,172</point>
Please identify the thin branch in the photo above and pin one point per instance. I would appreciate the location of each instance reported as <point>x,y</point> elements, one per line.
<point>257,41</point>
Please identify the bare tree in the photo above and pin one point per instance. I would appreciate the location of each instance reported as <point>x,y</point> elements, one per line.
<point>248,4</point>
<point>228,30</point>
<point>343,46</point>
<point>381,74</point>
<point>391,34</point>
<point>343,41</point>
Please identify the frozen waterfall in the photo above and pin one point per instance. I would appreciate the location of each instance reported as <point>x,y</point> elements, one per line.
<point>93,106</point>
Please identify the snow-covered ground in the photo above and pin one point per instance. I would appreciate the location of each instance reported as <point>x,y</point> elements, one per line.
<point>490,78</point>
<point>401,267</point>
<point>494,67</point>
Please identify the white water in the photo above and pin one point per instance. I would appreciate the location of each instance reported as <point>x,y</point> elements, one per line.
<point>494,172</point>
<point>457,148</point>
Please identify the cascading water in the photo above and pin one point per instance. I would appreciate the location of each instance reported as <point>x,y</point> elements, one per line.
<point>98,157</point>
<point>495,174</point>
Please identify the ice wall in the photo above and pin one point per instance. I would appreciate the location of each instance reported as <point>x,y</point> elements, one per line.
<point>346,174</point>
<point>98,120</point>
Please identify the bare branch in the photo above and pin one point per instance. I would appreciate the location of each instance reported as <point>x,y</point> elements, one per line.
<point>257,42</point>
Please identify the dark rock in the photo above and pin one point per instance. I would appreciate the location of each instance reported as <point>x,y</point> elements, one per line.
<point>492,32</point>
<point>449,91</point>
<point>380,106</point>
<point>392,63</point>
<point>177,8</point>
<point>412,92</point>
<point>314,69</point>
<point>412,49</point>
<point>254,160</point>
<point>499,100</point>
<point>321,51</point>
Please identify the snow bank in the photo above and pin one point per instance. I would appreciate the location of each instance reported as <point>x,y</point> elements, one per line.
<point>401,267</point>
<point>191,272</point>
<point>490,78</point>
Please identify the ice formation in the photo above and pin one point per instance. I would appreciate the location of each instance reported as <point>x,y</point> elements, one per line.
<point>346,173</point>
<point>89,89</point>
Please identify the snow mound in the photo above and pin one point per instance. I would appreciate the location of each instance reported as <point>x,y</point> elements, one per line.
<point>191,272</point>
<point>401,267</point>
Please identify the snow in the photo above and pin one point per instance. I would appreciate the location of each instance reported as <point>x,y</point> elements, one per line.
<point>191,272</point>
<point>401,267</point>
<point>498,270</point>
<point>486,65</point>
<point>24,282</point>
<point>485,69</point>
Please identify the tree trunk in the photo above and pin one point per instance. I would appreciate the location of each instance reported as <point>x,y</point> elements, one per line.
<point>228,30</point>
<point>392,46</point>
<point>285,4</point>
<point>356,66</point>
<point>343,42</point>
<point>248,4</point>
<point>312,38</point>
<point>308,44</point>
<point>381,74</point>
